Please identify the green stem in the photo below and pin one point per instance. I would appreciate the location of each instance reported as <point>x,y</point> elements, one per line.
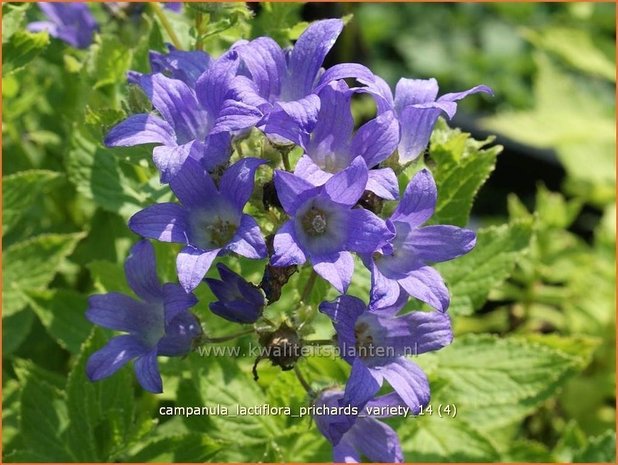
<point>160,14</point>
<point>309,286</point>
<point>286,159</point>
<point>199,45</point>
<point>303,381</point>
<point>206,339</point>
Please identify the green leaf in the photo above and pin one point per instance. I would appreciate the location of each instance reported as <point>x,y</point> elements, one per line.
<point>110,60</point>
<point>96,173</point>
<point>22,190</point>
<point>15,327</point>
<point>494,382</point>
<point>43,419</point>
<point>108,277</point>
<point>191,447</point>
<point>13,18</point>
<point>576,47</point>
<point>462,167</point>
<point>31,265</point>
<point>21,49</point>
<point>62,313</point>
<point>577,126</point>
<point>101,414</point>
<point>471,277</point>
<point>599,449</point>
<point>435,439</point>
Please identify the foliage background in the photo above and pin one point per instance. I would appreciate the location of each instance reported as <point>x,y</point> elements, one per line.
<point>532,368</point>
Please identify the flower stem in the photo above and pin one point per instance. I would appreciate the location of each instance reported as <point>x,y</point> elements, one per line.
<point>160,14</point>
<point>286,160</point>
<point>199,17</point>
<point>303,381</point>
<point>206,339</point>
<point>309,286</point>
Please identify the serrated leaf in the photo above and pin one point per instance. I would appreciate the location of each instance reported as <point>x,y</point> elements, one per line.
<point>43,419</point>
<point>109,61</point>
<point>101,414</point>
<point>13,16</point>
<point>495,382</point>
<point>471,277</point>
<point>435,439</point>
<point>462,167</point>
<point>31,265</point>
<point>96,174</point>
<point>62,312</point>
<point>192,447</point>
<point>21,49</point>
<point>20,191</point>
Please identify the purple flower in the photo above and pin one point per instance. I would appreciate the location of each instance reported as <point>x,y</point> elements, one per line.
<point>283,83</point>
<point>210,220</point>
<point>376,341</point>
<point>239,301</point>
<point>176,7</point>
<point>403,264</point>
<point>187,66</point>
<point>418,106</point>
<point>332,144</point>
<point>363,435</point>
<point>158,324</point>
<point>70,22</point>
<point>196,123</point>
<point>324,227</point>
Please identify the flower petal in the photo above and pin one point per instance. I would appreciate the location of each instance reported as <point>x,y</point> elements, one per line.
<point>141,271</point>
<point>344,311</point>
<point>367,232</point>
<point>362,386</point>
<point>236,116</point>
<point>113,356</point>
<point>427,285</point>
<point>176,102</point>
<point>213,85</point>
<point>343,71</point>
<point>347,186</point>
<point>216,151</point>
<point>176,301</point>
<point>238,180</point>
<point>193,186</point>
<point>418,201</point>
<point>416,126</point>
<point>179,335</point>
<point>292,190</point>
<point>192,264</point>
<point>248,240</point>
<point>187,66</point>
<point>265,61</point>
<point>337,269</point>
<point>309,171</point>
<point>414,91</point>
<point>308,55</point>
<point>439,243</point>
<point>120,312</point>
<point>377,139</point>
<point>147,372</point>
<point>169,159</point>
<point>166,222</point>
<point>286,249</point>
<point>384,291</point>
<point>140,129</point>
<point>293,121</point>
<point>409,381</point>
<point>344,452</point>
<point>383,183</point>
<point>416,332</point>
<point>375,440</point>
<point>330,139</point>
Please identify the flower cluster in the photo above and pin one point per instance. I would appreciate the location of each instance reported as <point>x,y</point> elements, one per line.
<point>202,107</point>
